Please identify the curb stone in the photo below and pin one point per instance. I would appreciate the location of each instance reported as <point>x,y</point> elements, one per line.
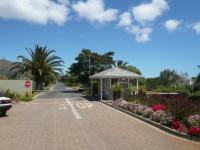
<point>157,125</point>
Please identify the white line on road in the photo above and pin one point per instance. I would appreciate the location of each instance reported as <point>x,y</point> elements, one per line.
<point>75,112</point>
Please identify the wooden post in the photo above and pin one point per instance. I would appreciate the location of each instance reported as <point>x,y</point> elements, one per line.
<point>91,87</point>
<point>101,89</point>
<point>137,87</point>
<point>110,84</point>
<point>128,83</point>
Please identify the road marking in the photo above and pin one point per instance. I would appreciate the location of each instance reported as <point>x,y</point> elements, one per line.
<point>62,107</point>
<point>81,105</point>
<point>75,112</point>
<point>89,105</point>
<point>84,105</point>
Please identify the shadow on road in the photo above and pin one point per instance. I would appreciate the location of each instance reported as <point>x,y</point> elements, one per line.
<point>90,98</point>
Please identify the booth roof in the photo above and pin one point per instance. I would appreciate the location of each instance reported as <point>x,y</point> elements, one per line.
<point>115,73</point>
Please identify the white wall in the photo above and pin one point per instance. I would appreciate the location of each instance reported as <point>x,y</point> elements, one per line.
<point>16,86</point>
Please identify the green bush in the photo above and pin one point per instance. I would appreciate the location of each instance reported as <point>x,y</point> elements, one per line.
<point>117,90</point>
<point>26,98</point>
<point>13,96</point>
<point>128,96</point>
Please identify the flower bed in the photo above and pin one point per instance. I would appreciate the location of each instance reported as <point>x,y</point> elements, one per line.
<point>159,113</point>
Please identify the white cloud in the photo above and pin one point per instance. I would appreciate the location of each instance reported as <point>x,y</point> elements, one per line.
<point>36,11</point>
<point>95,11</point>
<point>143,35</point>
<point>196,27</point>
<point>147,12</point>
<point>172,25</point>
<point>125,19</point>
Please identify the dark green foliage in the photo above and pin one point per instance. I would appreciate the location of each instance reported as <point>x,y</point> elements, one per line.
<point>117,91</point>
<point>72,81</point>
<point>169,77</point>
<point>196,85</point>
<point>129,96</point>
<point>124,65</point>
<point>98,62</point>
<point>152,83</point>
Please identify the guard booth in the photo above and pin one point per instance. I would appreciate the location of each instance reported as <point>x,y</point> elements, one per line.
<point>106,79</point>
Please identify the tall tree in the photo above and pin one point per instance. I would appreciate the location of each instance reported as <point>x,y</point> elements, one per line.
<point>124,65</point>
<point>169,77</point>
<point>88,63</point>
<point>42,65</point>
<point>121,64</point>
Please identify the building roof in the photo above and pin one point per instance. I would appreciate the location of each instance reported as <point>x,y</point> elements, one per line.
<point>115,73</point>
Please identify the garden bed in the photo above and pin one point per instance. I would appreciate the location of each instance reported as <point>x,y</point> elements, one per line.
<point>167,122</point>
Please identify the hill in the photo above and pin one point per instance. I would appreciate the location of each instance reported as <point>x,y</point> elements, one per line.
<point>5,68</point>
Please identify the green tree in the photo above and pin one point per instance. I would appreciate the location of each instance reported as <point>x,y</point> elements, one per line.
<point>121,64</point>
<point>168,77</point>
<point>42,66</point>
<point>88,63</point>
<point>152,83</point>
<point>133,69</point>
<point>124,65</point>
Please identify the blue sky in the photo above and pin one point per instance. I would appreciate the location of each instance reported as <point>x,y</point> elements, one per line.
<point>150,34</point>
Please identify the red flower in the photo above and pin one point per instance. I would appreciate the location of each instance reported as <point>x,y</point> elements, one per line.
<point>179,126</point>
<point>194,131</point>
<point>158,107</point>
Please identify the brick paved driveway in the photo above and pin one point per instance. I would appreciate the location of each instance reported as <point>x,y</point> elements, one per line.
<point>66,121</point>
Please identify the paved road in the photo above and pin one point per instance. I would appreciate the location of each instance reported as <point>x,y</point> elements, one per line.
<point>64,120</point>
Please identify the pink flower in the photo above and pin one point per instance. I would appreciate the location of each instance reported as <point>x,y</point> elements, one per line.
<point>194,131</point>
<point>179,126</point>
<point>158,107</point>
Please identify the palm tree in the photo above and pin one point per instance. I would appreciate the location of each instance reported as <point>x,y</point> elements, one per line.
<point>121,64</point>
<point>41,66</point>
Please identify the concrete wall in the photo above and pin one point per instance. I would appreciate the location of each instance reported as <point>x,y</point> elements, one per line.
<point>16,86</point>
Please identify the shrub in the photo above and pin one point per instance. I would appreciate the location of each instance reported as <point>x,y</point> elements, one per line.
<point>25,98</point>
<point>147,112</point>
<point>194,131</point>
<point>157,116</point>
<point>159,107</point>
<point>125,105</point>
<point>181,107</point>
<point>128,96</point>
<point>167,119</point>
<point>132,107</point>
<point>117,89</point>
<point>139,109</point>
<point>194,120</point>
<point>119,102</point>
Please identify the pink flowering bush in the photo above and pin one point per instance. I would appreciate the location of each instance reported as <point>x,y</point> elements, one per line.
<point>147,112</point>
<point>158,107</point>
<point>194,120</point>
<point>195,131</point>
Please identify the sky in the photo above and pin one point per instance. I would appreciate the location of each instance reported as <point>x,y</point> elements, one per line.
<point>150,34</point>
